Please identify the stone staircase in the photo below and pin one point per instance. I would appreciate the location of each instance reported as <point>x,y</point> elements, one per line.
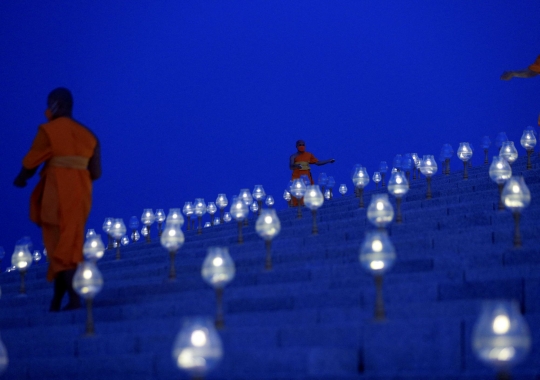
<point>311,317</point>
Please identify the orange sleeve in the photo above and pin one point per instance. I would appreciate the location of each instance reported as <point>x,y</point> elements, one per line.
<point>313,159</point>
<point>536,65</point>
<point>39,152</point>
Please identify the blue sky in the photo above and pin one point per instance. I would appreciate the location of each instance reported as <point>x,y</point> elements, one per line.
<point>195,98</point>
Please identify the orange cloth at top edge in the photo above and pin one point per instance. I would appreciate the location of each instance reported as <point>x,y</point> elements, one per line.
<point>61,201</point>
<point>536,65</point>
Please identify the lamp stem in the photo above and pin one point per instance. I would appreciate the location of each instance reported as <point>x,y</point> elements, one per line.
<point>529,153</point>
<point>188,222</point>
<point>486,161</point>
<point>199,230</point>
<point>22,290</point>
<point>109,241</point>
<point>380,314</point>
<point>382,182</point>
<point>212,220</point>
<point>172,269</point>
<point>314,230</point>
<point>361,195</point>
<point>299,213</point>
<point>501,204</point>
<point>246,221</point>
<point>148,233</point>
<point>428,195</point>
<point>268,264</point>
<point>159,229</point>
<point>220,323</point>
<point>446,170</point>
<point>504,375</point>
<point>259,202</point>
<point>465,173</point>
<point>408,174</point>
<point>117,249</point>
<point>399,217</point>
<point>89,318</point>
<point>240,238</point>
<point>517,234</point>
<point>414,173</point>
<point>376,185</point>
<point>221,215</point>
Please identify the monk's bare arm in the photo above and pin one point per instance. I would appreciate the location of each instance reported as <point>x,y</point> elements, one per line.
<point>321,163</point>
<point>525,73</point>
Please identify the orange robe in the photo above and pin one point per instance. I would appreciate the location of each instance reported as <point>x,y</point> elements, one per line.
<point>536,65</point>
<point>61,201</point>
<point>304,157</point>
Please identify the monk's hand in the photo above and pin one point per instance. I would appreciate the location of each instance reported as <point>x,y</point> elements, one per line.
<point>507,75</point>
<point>19,182</point>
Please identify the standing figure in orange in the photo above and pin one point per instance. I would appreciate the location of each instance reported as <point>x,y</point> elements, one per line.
<point>300,162</point>
<point>61,201</point>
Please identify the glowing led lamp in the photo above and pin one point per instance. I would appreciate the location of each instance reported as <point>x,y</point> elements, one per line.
<point>197,348</point>
<point>501,337</point>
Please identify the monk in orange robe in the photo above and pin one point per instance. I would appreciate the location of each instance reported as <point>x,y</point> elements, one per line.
<point>531,71</point>
<point>61,201</point>
<point>300,162</point>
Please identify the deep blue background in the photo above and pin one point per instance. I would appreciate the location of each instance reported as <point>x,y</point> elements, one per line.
<point>193,98</point>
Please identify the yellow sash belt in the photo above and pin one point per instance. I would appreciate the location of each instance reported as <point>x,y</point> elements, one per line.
<point>71,162</point>
<point>304,165</point>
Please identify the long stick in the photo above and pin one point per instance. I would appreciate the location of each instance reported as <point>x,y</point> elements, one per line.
<point>399,217</point>
<point>380,314</point>
<point>89,318</point>
<point>314,229</point>
<point>501,204</point>
<point>240,238</point>
<point>172,269</point>
<point>220,323</point>
<point>428,195</point>
<point>517,234</point>
<point>268,264</point>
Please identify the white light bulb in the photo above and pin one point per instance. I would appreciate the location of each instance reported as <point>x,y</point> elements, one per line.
<point>198,338</point>
<point>218,261</point>
<point>501,324</point>
<point>376,265</point>
<point>376,246</point>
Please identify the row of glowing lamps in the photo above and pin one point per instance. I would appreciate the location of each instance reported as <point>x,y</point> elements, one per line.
<point>198,348</point>
<point>500,172</point>
<point>500,337</point>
